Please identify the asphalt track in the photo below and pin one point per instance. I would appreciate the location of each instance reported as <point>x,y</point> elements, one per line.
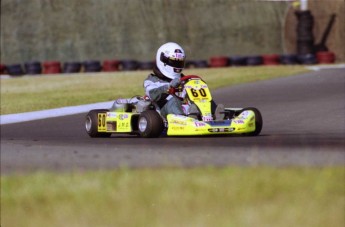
<point>304,125</point>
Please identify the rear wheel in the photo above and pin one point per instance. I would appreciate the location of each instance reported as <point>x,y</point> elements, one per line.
<point>150,124</point>
<point>91,124</point>
<point>258,121</point>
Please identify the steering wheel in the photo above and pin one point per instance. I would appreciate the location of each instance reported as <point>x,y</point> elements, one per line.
<point>183,80</point>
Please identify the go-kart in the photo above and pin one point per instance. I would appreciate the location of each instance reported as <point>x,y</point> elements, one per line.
<point>141,116</point>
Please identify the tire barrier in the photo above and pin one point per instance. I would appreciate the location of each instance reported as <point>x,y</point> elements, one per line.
<point>111,65</point>
<point>33,68</point>
<point>146,65</point>
<point>54,67</point>
<point>288,59</point>
<point>92,66</point>
<point>219,61</point>
<point>238,60</point>
<point>51,67</point>
<point>307,59</point>
<point>15,70</point>
<point>271,59</point>
<point>305,38</point>
<point>325,57</point>
<point>196,64</point>
<point>3,69</point>
<point>200,64</point>
<point>71,67</point>
<point>254,60</point>
<point>129,65</point>
<point>189,64</point>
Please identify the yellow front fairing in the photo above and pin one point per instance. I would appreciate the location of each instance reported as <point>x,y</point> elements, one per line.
<point>186,126</point>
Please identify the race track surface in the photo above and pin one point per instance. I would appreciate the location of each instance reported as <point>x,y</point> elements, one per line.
<point>304,125</point>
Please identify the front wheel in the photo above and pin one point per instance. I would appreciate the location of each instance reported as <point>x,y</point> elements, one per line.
<point>258,121</point>
<point>150,124</point>
<point>91,124</point>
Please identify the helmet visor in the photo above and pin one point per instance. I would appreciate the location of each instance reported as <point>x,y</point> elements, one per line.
<point>173,62</point>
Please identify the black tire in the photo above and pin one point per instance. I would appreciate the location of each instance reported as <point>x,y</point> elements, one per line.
<point>254,60</point>
<point>33,68</point>
<point>258,121</point>
<point>128,65</point>
<point>72,67</point>
<point>92,66</point>
<point>288,59</point>
<point>147,65</point>
<point>196,64</point>
<point>150,124</point>
<point>307,59</point>
<point>91,124</point>
<point>238,60</point>
<point>15,70</point>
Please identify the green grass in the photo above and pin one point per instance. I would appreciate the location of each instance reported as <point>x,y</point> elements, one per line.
<point>232,196</point>
<point>37,93</point>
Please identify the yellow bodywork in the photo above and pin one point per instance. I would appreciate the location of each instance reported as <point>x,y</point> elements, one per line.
<point>198,93</point>
<point>186,126</point>
<point>115,122</point>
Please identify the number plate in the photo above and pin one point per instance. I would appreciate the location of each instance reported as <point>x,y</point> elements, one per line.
<point>198,91</point>
<point>101,122</point>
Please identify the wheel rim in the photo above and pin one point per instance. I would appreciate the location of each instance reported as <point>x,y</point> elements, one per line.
<point>142,124</point>
<point>88,123</point>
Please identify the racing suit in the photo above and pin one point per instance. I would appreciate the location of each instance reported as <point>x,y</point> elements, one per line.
<point>156,87</point>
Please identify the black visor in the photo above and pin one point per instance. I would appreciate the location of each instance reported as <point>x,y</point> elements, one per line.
<point>175,63</point>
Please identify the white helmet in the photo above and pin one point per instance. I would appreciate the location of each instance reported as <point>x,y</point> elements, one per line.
<point>170,60</point>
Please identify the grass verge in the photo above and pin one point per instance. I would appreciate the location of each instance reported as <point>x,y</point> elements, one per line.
<point>32,93</point>
<point>232,196</point>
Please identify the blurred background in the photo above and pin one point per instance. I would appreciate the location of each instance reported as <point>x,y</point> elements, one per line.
<point>74,30</point>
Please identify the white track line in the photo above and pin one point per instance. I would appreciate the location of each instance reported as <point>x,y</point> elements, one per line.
<point>58,112</point>
<point>319,67</point>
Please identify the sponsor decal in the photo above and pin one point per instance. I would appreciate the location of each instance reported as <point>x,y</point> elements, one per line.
<point>123,125</point>
<point>177,122</point>
<point>177,128</point>
<point>199,124</point>
<point>239,121</point>
<point>221,129</point>
<point>111,114</point>
<point>178,56</point>
<point>123,116</point>
<point>244,115</point>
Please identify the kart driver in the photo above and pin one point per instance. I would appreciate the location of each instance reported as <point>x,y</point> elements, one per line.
<point>170,61</point>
